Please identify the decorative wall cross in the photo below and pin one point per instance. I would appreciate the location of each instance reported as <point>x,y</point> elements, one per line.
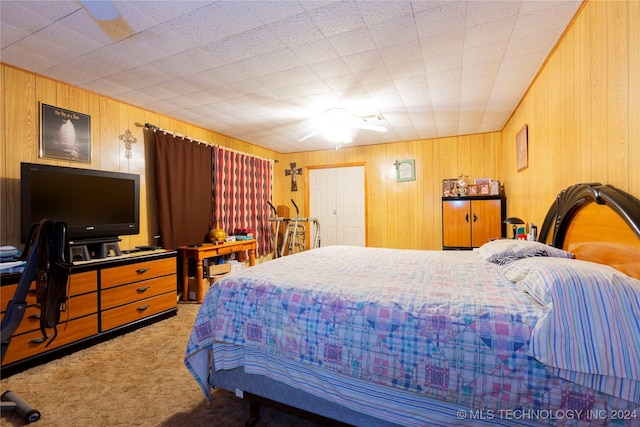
<point>128,139</point>
<point>293,172</point>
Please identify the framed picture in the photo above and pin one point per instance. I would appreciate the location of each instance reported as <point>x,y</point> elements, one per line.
<point>405,170</point>
<point>450,187</point>
<point>472,190</point>
<point>522,149</point>
<point>64,134</point>
<point>480,181</point>
<point>484,189</point>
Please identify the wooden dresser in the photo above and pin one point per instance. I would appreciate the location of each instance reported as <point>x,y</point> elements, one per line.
<point>108,297</point>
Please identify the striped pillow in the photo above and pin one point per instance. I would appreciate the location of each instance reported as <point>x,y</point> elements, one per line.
<point>592,324</point>
<point>504,251</point>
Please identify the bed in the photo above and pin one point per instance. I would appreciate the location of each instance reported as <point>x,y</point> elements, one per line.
<point>512,333</point>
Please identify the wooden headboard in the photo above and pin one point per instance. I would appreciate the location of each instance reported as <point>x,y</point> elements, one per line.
<point>597,223</point>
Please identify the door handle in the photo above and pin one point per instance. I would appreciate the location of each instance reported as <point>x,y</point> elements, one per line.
<point>475,218</point>
<point>466,217</point>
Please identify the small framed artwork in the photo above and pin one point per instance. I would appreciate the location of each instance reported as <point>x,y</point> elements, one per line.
<point>450,187</point>
<point>484,189</point>
<point>480,181</point>
<point>522,149</point>
<point>472,190</point>
<point>65,134</point>
<point>405,170</point>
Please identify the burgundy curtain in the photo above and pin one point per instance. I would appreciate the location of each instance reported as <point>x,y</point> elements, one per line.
<point>241,190</point>
<point>183,174</point>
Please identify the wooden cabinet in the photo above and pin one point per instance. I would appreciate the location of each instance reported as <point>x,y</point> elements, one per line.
<point>106,298</point>
<point>469,222</point>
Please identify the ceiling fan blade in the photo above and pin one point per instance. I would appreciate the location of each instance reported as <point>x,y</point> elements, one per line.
<point>102,10</point>
<point>369,126</point>
<point>309,135</point>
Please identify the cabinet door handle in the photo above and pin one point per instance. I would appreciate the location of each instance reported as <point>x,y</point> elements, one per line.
<point>143,289</point>
<point>142,270</point>
<point>466,217</point>
<point>143,308</point>
<point>475,218</point>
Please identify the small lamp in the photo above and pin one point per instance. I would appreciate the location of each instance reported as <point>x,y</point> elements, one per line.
<point>515,221</point>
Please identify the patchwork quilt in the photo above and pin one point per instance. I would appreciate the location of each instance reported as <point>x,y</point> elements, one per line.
<point>447,325</point>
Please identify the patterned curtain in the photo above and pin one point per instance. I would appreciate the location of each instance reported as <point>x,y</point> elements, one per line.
<point>241,190</point>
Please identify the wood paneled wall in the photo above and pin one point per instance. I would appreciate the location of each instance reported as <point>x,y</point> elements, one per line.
<point>402,214</point>
<point>583,112</point>
<point>21,95</point>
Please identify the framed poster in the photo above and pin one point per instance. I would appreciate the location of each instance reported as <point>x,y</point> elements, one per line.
<point>405,170</point>
<point>522,149</point>
<point>64,134</point>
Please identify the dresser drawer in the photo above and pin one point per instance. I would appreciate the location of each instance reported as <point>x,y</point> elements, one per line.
<point>78,306</point>
<point>22,346</point>
<point>79,283</point>
<point>136,272</point>
<point>138,310</point>
<point>125,294</point>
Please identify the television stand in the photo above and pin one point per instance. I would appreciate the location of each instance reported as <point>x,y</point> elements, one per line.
<point>86,250</point>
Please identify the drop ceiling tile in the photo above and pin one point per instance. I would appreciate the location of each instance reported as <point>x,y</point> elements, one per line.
<point>216,21</point>
<point>443,43</point>
<point>489,33</point>
<point>21,58</point>
<point>315,52</point>
<point>164,40</point>
<point>20,15</point>
<point>337,18</point>
<point>83,23</point>
<point>489,11</point>
<point>390,33</point>
<point>10,35</point>
<point>273,11</point>
<point>68,71</point>
<point>401,53</point>
<point>254,42</point>
<point>363,61</point>
<point>374,12</point>
<point>296,30</point>
<point>352,42</point>
<point>43,47</point>
<point>160,13</point>
<point>444,18</point>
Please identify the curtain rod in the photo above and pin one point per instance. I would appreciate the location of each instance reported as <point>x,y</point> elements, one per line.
<point>155,128</point>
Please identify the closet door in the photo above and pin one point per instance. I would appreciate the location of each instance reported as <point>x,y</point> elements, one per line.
<point>336,198</point>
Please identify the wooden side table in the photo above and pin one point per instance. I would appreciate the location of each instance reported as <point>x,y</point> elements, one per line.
<point>210,250</point>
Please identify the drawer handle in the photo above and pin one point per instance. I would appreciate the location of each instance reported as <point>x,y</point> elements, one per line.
<point>142,270</point>
<point>143,308</point>
<point>39,340</point>
<point>34,316</point>
<point>141,290</point>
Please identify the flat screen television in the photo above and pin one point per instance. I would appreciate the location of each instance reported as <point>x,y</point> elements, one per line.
<point>97,206</point>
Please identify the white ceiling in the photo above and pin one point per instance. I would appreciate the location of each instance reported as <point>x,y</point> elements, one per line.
<point>264,71</point>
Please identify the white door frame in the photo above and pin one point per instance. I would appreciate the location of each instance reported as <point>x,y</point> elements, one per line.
<point>334,166</point>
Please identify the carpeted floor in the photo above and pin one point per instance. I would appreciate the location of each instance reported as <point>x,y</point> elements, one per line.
<point>138,379</point>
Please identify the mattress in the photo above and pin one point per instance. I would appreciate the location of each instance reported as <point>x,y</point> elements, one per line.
<point>437,325</point>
